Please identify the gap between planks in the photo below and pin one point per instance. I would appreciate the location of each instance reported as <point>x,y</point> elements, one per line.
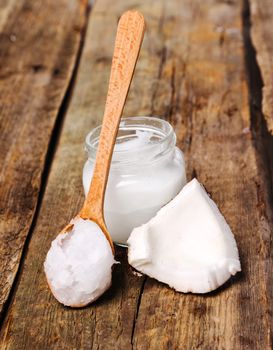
<point>263,145</point>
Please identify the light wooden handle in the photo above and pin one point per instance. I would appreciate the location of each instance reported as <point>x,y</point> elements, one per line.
<point>129,37</point>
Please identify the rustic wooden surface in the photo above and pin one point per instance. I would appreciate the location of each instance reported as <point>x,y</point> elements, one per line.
<point>261,32</point>
<point>39,42</point>
<point>196,70</point>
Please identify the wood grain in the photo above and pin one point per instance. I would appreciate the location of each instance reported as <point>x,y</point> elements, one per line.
<point>39,42</point>
<point>191,71</point>
<point>261,33</point>
<point>129,38</point>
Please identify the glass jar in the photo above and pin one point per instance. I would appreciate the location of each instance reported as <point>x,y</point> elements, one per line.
<point>147,171</point>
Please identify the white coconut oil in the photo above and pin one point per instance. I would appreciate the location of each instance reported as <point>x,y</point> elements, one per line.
<point>147,171</point>
<point>78,265</point>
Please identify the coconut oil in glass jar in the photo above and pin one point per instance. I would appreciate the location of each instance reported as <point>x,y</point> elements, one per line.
<point>147,171</point>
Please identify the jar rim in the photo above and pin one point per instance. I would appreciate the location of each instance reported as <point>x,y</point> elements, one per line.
<point>151,123</point>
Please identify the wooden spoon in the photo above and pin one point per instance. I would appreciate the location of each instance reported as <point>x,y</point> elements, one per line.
<point>129,37</point>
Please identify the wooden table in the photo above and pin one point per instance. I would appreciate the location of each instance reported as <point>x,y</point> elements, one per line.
<point>198,69</point>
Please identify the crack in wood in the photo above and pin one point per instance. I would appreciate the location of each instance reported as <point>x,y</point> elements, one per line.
<point>138,309</point>
<point>172,109</point>
<point>262,139</point>
<point>163,55</point>
<point>261,35</point>
<point>263,143</point>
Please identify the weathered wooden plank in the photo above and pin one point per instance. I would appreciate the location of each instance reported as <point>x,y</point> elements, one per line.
<point>111,320</point>
<point>211,112</point>
<point>191,71</point>
<point>261,33</point>
<point>39,41</point>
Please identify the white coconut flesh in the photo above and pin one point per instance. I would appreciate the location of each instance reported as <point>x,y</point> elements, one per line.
<point>187,245</point>
<point>79,263</point>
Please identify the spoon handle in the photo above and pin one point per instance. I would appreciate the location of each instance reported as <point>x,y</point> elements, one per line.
<point>129,37</point>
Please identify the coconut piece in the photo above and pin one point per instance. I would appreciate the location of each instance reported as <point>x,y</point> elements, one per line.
<point>78,265</point>
<point>188,244</point>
